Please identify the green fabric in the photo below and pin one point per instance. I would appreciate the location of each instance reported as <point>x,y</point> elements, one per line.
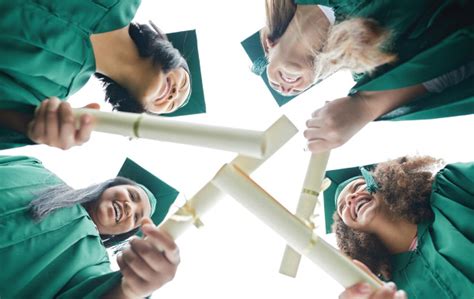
<point>442,265</point>
<point>62,256</point>
<point>430,39</point>
<point>45,49</point>
<point>163,194</point>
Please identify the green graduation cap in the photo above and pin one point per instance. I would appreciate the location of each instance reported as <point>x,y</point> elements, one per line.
<point>339,178</point>
<point>254,50</point>
<point>186,43</point>
<point>163,194</point>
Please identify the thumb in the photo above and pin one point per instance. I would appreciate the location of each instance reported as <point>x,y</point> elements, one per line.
<point>92,106</point>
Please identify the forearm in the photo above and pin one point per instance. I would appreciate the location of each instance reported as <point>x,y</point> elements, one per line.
<point>382,102</point>
<point>14,120</point>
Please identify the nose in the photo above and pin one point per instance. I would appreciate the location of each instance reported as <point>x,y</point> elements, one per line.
<point>172,94</point>
<point>286,89</point>
<point>350,198</point>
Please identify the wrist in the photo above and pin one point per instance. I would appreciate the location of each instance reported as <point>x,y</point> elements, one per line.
<point>370,111</point>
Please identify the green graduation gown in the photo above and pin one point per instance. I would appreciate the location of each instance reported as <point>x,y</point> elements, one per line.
<point>442,266</point>
<point>430,38</point>
<point>45,49</point>
<point>60,257</point>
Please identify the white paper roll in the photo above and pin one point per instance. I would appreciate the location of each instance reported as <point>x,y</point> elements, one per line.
<point>298,235</point>
<point>306,204</point>
<point>245,142</point>
<point>278,134</point>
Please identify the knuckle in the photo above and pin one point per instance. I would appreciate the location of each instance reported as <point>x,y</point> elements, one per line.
<point>128,258</point>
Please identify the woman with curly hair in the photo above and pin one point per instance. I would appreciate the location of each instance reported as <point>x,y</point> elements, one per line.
<point>50,49</point>
<point>411,60</point>
<point>409,223</point>
<point>53,238</point>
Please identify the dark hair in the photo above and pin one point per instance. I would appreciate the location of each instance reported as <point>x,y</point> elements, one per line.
<point>62,196</point>
<point>150,44</point>
<point>405,187</point>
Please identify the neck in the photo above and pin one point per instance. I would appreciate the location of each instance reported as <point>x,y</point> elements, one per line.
<point>396,234</point>
<point>117,57</point>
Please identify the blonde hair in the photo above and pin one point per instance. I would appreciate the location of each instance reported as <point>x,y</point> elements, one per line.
<point>354,44</point>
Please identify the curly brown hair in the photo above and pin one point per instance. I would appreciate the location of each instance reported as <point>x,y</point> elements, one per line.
<point>405,187</point>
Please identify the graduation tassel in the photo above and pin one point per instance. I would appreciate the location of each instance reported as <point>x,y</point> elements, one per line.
<point>372,186</point>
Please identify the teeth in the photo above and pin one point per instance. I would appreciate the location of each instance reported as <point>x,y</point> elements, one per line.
<point>118,212</point>
<point>360,204</point>
<point>290,80</point>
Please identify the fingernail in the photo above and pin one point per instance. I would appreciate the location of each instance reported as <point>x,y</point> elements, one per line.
<point>364,288</point>
<point>87,119</point>
<point>400,294</point>
<point>391,286</point>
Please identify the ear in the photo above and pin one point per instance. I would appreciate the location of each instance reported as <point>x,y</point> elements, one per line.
<point>95,106</point>
<point>266,43</point>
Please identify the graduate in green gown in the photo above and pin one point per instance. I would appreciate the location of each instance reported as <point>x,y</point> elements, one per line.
<point>407,222</point>
<point>411,60</point>
<point>50,49</point>
<point>53,238</point>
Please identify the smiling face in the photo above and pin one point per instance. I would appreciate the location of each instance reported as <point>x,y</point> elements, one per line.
<point>168,91</point>
<point>120,209</point>
<point>292,55</point>
<point>358,208</point>
<point>290,66</point>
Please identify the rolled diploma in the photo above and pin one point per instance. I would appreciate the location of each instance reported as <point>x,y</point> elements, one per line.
<point>306,204</point>
<point>298,235</point>
<point>277,134</point>
<point>245,142</point>
<point>201,202</point>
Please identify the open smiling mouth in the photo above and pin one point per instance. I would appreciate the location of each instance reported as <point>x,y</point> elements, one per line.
<point>289,78</point>
<point>117,210</point>
<point>360,204</point>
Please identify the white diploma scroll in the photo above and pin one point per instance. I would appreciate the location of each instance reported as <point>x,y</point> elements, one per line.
<point>245,142</point>
<point>278,134</point>
<point>312,186</point>
<point>296,233</point>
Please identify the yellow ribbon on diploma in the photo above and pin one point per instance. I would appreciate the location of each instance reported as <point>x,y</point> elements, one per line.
<point>311,222</point>
<point>186,213</point>
<point>136,125</point>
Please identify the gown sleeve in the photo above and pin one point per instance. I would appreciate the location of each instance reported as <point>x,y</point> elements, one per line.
<point>452,231</point>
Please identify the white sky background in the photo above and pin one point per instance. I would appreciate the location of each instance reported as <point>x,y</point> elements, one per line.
<point>235,255</point>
